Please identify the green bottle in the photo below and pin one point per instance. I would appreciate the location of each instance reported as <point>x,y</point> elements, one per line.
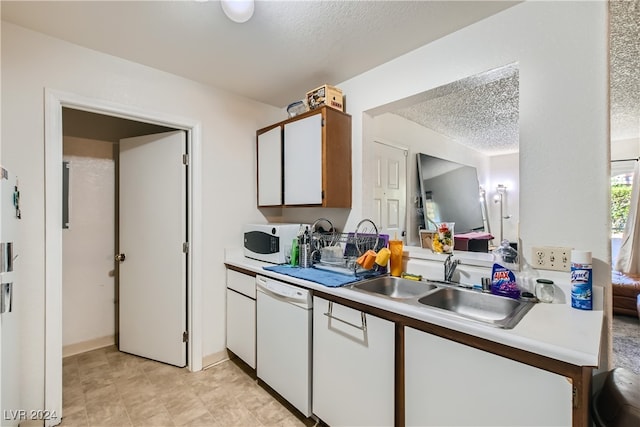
<point>294,252</point>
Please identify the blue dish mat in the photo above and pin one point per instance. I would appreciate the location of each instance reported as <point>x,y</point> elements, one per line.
<point>326,278</point>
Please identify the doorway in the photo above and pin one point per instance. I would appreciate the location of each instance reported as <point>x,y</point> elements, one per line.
<point>55,101</point>
<point>90,276</point>
<point>625,330</point>
<point>390,189</point>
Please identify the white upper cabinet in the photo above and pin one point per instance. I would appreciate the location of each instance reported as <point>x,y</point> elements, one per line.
<point>303,161</point>
<point>270,167</point>
<point>306,161</point>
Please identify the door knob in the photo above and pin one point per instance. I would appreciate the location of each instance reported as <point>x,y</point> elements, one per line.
<point>120,257</point>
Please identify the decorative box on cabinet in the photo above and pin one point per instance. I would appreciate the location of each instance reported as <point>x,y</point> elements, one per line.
<point>306,161</point>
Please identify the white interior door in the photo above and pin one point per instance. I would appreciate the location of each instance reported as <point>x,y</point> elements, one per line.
<point>152,276</point>
<point>390,189</point>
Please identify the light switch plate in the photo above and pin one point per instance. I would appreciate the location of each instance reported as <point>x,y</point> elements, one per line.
<point>556,258</point>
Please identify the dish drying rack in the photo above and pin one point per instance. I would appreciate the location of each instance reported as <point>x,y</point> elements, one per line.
<point>338,252</point>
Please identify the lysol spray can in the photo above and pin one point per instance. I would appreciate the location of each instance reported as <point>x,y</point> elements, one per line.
<point>581,280</point>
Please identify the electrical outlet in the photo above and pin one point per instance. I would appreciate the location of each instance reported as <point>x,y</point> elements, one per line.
<point>551,258</point>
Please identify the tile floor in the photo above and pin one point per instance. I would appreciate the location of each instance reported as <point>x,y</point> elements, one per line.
<point>107,388</point>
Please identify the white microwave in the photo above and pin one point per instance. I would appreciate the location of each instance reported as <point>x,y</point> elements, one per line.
<point>270,242</point>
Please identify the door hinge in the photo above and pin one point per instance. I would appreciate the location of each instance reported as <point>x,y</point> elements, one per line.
<point>185,247</point>
<point>185,336</point>
<point>185,159</point>
<point>322,125</point>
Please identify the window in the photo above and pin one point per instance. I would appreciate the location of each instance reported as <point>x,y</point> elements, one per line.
<point>620,201</point>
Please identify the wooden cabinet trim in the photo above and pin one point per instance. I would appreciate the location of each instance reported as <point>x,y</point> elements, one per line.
<point>580,376</point>
<point>336,163</point>
<point>320,110</point>
<point>336,157</point>
<point>240,270</point>
<point>399,395</point>
<point>267,129</point>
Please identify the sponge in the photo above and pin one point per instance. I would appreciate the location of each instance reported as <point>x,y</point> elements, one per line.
<point>382,259</point>
<point>367,260</point>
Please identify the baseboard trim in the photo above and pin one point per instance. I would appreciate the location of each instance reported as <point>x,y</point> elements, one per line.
<point>84,346</point>
<point>94,344</point>
<point>215,358</point>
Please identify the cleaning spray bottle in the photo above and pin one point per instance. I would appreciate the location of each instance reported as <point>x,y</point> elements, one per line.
<point>581,280</point>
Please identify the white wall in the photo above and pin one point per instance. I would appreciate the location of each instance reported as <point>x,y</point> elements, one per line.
<point>625,149</point>
<point>561,48</point>
<point>32,62</point>
<point>10,321</point>
<point>1,376</point>
<point>563,112</point>
<point>562,52</point>
<point>88,284</point>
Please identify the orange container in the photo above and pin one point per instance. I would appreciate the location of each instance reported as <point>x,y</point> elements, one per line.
<point>396,248</point>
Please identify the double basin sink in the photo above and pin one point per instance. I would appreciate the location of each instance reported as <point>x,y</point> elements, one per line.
<point>449,298</point>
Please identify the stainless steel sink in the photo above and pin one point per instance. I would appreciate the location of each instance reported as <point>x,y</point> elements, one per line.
<point>487,308</point>
<point>394,287</point>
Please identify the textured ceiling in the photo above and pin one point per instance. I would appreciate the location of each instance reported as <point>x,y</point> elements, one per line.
<point>286,49</point>
<point>480,112</point>
<point>625,69</point>
<point>290,47</point>
<point>483,115</point>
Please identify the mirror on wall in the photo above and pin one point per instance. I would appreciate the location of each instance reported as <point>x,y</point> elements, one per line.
<point>472,122</point>
<point>449,192</point>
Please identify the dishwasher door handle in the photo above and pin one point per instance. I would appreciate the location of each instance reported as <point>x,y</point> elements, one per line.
<point>363,319</point>
<point>283,292</point>
<point>265,290</point>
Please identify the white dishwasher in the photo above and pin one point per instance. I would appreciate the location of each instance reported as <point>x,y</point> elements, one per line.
<point>283,349</point>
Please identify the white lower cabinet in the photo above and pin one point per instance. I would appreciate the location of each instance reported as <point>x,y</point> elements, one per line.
<point>241,316</point>
<point>353,366</point>
<point>451,384</point>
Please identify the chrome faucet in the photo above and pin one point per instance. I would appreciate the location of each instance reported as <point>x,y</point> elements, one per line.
<point>450,267</point>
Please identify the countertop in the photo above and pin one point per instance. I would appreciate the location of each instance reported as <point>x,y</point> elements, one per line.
<point>554,330</point>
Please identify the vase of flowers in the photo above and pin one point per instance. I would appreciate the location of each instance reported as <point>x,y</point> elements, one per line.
<point>443,240</point>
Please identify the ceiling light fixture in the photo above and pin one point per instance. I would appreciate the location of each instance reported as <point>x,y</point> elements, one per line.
<point>238,10</point>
